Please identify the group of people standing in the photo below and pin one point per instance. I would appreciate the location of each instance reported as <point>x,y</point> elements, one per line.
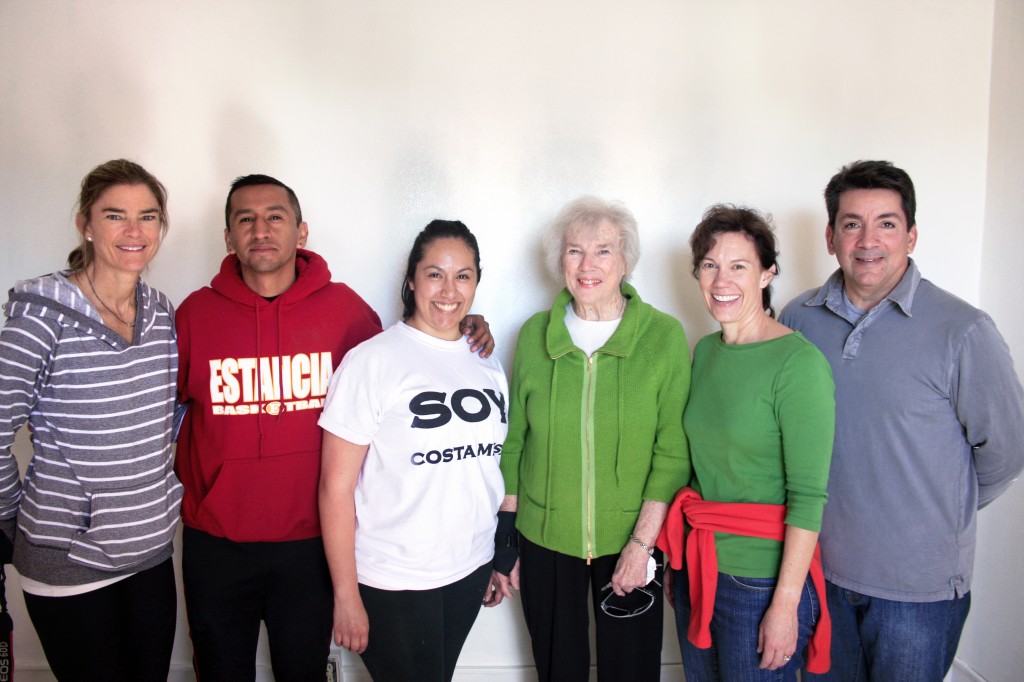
<point>332,476</point>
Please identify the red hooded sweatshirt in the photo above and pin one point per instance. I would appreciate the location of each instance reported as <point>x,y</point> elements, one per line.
<point>256,373</point>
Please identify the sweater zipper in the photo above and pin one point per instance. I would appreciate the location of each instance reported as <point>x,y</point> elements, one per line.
<point>589,453</point>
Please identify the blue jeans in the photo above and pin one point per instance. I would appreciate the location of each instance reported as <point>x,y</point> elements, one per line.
<point>880,639</point>
<point>740,604</point>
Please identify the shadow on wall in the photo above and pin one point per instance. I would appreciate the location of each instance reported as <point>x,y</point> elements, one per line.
<point>244,144</point>
<point>686,294</point>
<point>804,259</point>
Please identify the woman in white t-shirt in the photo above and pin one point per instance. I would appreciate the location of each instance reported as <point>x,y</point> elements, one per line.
<point>410,484</point>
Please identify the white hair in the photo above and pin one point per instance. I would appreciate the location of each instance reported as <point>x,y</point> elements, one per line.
<point>588,212</point>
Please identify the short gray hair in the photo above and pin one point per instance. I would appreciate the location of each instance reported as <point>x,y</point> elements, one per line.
<point>589,212</point>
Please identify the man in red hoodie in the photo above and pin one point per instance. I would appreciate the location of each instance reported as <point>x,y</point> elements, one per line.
<point>257,350</point>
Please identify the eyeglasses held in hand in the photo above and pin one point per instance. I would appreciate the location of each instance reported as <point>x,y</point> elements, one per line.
<point>635,603</point>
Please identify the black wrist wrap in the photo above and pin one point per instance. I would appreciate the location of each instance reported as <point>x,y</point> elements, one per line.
<point>506,543</point>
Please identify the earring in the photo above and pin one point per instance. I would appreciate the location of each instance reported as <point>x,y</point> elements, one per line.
<point>88,239</point>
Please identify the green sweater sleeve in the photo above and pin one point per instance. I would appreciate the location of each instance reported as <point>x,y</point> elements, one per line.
<point>670,461</point>
<point>805,410</point>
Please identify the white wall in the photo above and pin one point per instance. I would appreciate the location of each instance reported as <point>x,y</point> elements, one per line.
<point>384,115</point>
<point>991,644</point>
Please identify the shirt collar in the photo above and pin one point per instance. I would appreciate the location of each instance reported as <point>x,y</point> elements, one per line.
<point>622,341</point>
<point>831,293</point>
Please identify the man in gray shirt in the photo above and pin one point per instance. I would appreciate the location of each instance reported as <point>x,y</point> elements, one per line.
<point>929,429</point>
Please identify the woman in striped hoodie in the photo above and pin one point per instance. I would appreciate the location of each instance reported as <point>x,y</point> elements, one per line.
<point>88,359</point>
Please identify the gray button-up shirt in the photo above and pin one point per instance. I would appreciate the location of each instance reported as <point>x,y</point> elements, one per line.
<point>929,428</point>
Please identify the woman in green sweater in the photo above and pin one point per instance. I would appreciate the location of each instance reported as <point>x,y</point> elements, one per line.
<point>760,422</point>
<point>595,452</point>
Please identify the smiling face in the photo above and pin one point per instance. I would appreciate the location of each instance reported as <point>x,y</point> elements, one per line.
<point>872,242</point>
<point>264,233</point>
<point>594,267</point>
<point>443,288</point>
<point>731,280</point>
<point>124,225</point>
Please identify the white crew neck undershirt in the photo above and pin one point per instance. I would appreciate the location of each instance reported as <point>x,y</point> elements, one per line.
<point>589,335</point>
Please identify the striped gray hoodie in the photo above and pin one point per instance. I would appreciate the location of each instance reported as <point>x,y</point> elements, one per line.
<point>99,497</point>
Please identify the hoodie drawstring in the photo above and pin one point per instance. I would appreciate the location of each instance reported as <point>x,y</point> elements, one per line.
<point>551,443</point>
<point>259,382</point>
<point>620,404</point>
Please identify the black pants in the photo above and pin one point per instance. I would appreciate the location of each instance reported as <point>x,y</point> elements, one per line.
<point>417,635</point>
<point>231,586</point>
<point>554,593</point>
<point>123,631</point>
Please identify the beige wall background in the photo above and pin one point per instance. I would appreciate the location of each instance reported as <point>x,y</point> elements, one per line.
<point>387,114</point>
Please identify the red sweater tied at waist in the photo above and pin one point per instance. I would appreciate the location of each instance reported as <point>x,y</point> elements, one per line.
<point>705,517</point>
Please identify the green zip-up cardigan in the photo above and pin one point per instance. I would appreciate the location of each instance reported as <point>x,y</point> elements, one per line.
<point>590,439</point>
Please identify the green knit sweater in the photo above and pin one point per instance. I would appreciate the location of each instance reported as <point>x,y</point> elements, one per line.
<point>760,422</point>
<point>590,439</point>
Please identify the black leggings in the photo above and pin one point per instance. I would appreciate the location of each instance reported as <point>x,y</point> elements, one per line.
<point>123,631</point>
<point>417,635</point>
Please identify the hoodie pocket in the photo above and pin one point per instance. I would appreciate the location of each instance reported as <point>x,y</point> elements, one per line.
<point>271,499</point>
<point>128,526</point>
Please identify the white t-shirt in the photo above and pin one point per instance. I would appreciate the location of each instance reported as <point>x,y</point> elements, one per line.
<point>435,417</point>
<point>588,335</point>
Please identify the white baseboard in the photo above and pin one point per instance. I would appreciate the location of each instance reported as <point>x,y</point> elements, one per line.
<point>669,673</point>
<point>961,672</point>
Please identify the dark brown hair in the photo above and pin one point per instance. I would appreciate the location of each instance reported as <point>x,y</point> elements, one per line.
<point>722,218</point>
<point>437,229</point>
<point>871,175</point>
<point>260,179</point>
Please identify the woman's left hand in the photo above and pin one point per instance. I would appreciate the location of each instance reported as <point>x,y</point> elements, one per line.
<point>777,636</point>
<point>631,569</point>
<point>479,333</point>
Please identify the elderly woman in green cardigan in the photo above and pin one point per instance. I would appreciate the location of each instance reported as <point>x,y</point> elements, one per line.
<point>595,452</point>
